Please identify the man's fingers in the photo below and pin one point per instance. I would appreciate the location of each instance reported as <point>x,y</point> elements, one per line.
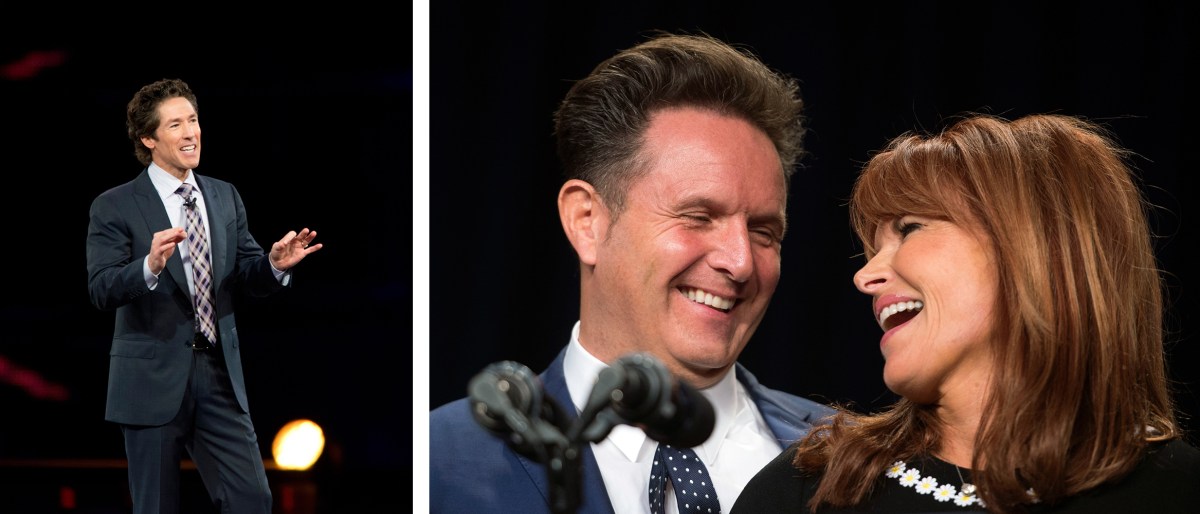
<point>169,236</point>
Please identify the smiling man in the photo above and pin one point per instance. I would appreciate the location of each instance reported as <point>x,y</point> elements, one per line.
<point>677,154</point>
<point>167,251</point>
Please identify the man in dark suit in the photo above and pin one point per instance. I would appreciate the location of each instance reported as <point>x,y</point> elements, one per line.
<point>167,251</point>
<point>678,153</point>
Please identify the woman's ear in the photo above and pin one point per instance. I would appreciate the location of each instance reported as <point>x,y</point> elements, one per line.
<point>584,218</point>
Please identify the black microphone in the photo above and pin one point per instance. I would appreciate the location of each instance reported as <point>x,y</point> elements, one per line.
<point>507,399</point>
<point>668,410</point>
<point>190,202</point>
<point>504,397</point>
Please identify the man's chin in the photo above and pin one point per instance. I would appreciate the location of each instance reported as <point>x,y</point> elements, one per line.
<point>706,366</point>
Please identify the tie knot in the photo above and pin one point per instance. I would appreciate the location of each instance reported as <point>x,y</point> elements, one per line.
<point>185,190</point>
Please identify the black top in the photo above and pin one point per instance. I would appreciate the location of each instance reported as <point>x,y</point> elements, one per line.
<point>1166,481</point>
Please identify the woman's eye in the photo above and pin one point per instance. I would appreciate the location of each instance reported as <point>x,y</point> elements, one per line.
<point>905,226</point>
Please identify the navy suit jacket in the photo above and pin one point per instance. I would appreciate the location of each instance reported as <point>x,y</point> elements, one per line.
<point>151,351</point>
<point>473,470</point>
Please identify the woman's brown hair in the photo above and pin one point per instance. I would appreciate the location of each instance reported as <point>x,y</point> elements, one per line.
<point>1080,384</point>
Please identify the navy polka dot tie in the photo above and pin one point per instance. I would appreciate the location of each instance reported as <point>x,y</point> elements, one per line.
<point>689,478</point>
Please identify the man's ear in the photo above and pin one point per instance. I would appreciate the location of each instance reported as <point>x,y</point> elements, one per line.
<point>584,218</point>
<point>148,142</point>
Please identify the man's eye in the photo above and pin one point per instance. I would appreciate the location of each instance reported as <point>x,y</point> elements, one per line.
<point>766,236</point>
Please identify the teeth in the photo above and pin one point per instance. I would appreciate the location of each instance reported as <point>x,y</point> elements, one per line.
<point>912,305</point>
<point>700,296</point>
<point>188,148</point>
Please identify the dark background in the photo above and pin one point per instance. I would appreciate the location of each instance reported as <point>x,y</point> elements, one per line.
<point>315,132</point>
<point>313,122</point>
<point>504,280</point>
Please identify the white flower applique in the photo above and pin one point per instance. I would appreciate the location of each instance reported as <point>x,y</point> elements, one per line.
<point>911,477</point>
<point>944,493</point>
<point>964,499</point>
<point>927,485</point>
<point>896,469</point>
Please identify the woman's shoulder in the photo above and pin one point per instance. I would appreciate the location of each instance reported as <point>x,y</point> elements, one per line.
<point>777,487</point>
<point>1175,456</point>
<point>1172,468</point>
<point>1165,481</point>
<point>780,471</point>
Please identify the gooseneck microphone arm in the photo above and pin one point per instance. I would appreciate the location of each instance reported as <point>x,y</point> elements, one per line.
<point>637,389</point>
<point>507,399</point>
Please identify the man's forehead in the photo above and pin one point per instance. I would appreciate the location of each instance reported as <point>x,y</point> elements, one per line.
<point>184,107</point>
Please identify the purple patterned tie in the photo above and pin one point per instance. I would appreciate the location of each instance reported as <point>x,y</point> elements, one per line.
<point>201,267</point>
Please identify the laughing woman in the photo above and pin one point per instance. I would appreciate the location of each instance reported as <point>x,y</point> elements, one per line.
<point>1010,267</point>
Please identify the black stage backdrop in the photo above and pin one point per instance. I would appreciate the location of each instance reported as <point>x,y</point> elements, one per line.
<point>314,131</point>
<point>504,280</point>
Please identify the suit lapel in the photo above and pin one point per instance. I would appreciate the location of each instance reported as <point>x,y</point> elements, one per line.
<point>594,495</point>
<point>788,418</point>
<point>214,203</point>
<point>155,214</point>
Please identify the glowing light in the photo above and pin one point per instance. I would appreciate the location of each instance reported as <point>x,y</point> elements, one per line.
<point>298,445</point>
<point>32,382</point>
<point>32,64</point>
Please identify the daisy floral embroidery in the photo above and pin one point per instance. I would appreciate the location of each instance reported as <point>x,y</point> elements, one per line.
<point>945,493</point>
<point>911,477</point>
<point>964,499</point>
<point>927,485</point>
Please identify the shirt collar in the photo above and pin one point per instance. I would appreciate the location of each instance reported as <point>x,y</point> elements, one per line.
<point>165,183</point>
<point>728,398</point>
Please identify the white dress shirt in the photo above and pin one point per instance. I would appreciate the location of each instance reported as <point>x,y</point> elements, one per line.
<point>740,445</point>
<point>166,184</point>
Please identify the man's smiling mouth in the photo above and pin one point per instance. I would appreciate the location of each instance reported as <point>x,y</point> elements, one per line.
<point>702,297</point>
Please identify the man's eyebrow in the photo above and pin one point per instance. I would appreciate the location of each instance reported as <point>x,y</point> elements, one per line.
<point>701,201</point>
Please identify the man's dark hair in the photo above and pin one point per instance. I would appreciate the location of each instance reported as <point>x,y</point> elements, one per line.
<point>601,123</point>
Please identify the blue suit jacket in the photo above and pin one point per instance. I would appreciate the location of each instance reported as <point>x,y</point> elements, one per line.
<point>473,470</point>
<point>151,348</point>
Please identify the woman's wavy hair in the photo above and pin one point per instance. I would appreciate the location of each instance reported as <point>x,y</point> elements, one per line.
<point>1080,383</point>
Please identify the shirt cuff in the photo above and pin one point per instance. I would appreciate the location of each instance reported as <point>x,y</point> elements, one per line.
<point>151,279</point>
<point>284,277</point>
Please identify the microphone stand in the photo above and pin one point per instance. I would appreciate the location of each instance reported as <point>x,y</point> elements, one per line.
<point>598,416</point>
<point>561,457</point>
<point>506,399</point>
<point>564,469</point>
<point>549,438</point>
